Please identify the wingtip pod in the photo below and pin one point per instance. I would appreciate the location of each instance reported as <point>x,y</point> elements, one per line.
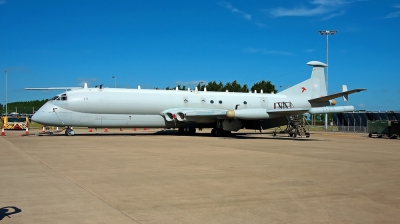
<point>317,64</point>
<point>328,110</point>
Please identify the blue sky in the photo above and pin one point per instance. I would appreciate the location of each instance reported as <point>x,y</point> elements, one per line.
<point>157,43</point>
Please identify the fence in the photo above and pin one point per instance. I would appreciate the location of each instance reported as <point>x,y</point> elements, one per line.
<point>334,128</point>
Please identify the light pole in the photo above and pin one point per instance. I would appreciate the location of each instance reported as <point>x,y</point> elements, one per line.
<point>327,33</point>
<point>115,81</point>
<point>6,93</point>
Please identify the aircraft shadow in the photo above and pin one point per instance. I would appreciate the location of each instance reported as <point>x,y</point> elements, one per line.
<point>8,210</point>
<point>249,135</point>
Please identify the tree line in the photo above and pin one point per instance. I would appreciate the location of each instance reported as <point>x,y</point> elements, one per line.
<point>265,86</point>
<point>22,107</point>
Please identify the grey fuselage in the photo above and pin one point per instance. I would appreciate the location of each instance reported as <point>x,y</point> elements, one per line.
<point>115,107</point>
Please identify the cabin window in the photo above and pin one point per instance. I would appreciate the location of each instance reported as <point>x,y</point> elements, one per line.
<point>220,102</point>
<point>211,101</point>
<point>244,102</point>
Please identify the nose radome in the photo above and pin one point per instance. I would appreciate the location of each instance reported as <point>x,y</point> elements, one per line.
<point>41,116</point>
<point>46,115</point>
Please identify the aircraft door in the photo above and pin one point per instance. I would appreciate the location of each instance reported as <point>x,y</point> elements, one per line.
<point>263,102</point>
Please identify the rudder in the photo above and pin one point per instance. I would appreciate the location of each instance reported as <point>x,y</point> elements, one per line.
<point>313,87</point>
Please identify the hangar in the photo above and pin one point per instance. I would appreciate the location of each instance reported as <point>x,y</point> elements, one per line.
<point>357,121</point>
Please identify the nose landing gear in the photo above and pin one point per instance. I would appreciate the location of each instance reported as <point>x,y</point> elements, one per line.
<point>69,131</point>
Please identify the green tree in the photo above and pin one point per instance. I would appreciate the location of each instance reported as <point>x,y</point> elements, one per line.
<point>24,107</point>
<point>266,86</point>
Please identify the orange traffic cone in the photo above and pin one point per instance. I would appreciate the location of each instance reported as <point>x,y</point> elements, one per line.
<point>134,129</point>
<point>2,132</point>
<point>105,130</point>
<point>27,131</point>
<point>144,128</point>
<point>43,131</point>
<point>120,129</point>
<point>90,130</point>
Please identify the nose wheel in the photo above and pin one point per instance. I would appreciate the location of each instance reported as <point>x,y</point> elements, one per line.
<point>69,132</point>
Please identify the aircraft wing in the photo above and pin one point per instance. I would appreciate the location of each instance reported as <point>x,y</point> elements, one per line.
<point>196,114</point>
<point>335,95</point>
<point>54,88</point>
<point>288,111</point>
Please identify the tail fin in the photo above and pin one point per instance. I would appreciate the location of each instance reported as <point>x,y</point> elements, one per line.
<point>313,87</point>
<point>346,95</point>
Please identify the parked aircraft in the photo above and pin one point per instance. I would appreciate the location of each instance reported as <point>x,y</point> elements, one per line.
<point>187,110</point>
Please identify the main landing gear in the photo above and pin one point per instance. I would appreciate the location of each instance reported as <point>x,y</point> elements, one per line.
<point>69,131</point>
<point>217,132</point>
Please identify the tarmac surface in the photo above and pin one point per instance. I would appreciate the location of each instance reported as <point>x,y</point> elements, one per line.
<point>141,177</point>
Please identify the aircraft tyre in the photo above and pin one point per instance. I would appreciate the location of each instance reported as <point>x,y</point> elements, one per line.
<point>181,131</point>
<point>69,132</point>
<point>217,132</point>
<point>192,131</point>
<point>227,133</point>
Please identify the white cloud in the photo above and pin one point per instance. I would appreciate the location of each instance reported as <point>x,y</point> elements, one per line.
<point>235,10</point>
<point>299,11</point>
<point>260,24</point>
<point>245,15</point>
<point>252,50</point>
<point>318,7</point>
<point>394,14</point>
<point>332,15</point>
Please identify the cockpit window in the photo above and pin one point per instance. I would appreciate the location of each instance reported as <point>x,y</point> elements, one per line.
<point>55,98</point>
<point>63,97</point>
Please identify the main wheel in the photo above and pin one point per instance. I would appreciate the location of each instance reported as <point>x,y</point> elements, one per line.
<point>192,131</point>
<point>226,133</point>
<point>218,132</point>
<point>181,131</point>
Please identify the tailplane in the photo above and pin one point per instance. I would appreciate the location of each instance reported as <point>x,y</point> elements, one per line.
<point>313,87</point>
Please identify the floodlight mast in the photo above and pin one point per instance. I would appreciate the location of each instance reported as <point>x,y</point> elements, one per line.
<point>327,33</point>
<point>6,92</point>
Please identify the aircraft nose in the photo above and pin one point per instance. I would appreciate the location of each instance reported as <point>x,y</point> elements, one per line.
<point>46,115</point>
<point>39,117</point>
